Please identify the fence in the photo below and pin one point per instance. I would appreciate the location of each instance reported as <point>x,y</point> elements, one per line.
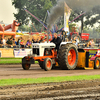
<point>14,52</point>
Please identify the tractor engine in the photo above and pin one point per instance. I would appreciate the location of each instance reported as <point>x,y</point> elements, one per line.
<point>40,49</point>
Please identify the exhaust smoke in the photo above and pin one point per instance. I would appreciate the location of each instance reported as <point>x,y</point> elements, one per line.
<point>80,5</point>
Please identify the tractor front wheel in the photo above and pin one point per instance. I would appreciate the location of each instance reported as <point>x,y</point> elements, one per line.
<point>97,63</point>
<point>47,64</point>
<point>26,66</point>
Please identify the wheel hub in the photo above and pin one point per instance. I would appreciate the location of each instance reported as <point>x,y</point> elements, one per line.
<point>71,57</point>
<point>48,64</point>
<point>97,63</point>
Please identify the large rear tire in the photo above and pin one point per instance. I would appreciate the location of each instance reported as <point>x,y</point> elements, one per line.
<point>97,63</point>
<point>68,56</point>
<point>47,64</point>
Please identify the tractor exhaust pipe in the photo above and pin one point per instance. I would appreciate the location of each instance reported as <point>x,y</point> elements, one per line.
<point>47,35</point>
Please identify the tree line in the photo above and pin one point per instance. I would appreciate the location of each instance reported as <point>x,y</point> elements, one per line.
<point>39,9</point>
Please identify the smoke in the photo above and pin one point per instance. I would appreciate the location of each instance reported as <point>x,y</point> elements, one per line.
<point>80,5</point>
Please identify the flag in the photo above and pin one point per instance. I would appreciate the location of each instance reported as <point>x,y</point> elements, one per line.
<point>67,12</point>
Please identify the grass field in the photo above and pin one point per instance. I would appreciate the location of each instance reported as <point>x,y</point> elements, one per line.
<point>11,60</point>
<point>5,82</point>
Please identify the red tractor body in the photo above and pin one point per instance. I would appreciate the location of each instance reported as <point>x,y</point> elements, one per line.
<point>85,36</point>
<point>81,36</point>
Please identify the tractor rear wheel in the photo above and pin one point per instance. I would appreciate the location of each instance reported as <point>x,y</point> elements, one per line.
<point>68,56</point>
<point>41,64</point>
<point>97,63</point>
<point>47,64</point>
<point>26,66</point>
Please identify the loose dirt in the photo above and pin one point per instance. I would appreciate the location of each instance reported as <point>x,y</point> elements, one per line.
<point>84,90</point>
<point>53,91</point>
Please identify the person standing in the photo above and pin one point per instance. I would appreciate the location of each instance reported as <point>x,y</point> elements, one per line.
<point>4,41</point>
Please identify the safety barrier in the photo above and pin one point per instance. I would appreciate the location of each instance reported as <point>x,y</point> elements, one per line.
<point>14,52</point>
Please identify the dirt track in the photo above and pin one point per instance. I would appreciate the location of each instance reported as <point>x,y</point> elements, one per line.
<point>16,71</point>
<point>77,90</point>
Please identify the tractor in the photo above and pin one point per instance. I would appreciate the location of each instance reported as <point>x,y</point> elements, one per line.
<point>81,37</point>
<point>46,55</point>
<point>69,57</point>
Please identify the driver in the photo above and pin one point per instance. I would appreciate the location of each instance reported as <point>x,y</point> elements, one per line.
<point>56,40</point>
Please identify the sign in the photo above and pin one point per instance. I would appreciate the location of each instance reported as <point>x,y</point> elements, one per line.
<point>20,53</point>
<point>92,53</point>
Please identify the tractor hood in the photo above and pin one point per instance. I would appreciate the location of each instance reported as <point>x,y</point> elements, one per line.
<point>43,45</point>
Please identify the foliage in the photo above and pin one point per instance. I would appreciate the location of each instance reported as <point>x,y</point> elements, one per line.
<point>24,28</point>
<point>93,19</point>
<point>36,7</point>
<point>92,16</point>
<point>93,32</point>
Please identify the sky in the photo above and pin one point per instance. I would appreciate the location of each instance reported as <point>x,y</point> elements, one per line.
<point>6,11</point>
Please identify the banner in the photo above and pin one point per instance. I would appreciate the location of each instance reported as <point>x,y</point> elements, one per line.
<point>20,53</point>
<point>67,12</point>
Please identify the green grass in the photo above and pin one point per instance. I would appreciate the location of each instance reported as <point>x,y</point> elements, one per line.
<point>11,60</point>
<point>5,82</point>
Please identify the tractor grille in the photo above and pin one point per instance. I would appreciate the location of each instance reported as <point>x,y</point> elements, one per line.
<point>36,51</point>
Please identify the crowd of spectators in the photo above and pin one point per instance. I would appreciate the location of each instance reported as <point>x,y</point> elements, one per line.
<point>22,43</point>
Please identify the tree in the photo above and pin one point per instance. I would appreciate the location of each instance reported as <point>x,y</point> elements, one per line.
<point>91,17</point>
<point>94,19</point>
<point>36,7</point>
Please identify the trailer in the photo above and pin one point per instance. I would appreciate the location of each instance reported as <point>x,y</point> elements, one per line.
<point>89,58</point>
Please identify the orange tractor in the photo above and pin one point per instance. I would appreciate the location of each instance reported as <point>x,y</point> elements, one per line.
<point>68,57</point>
<point>46,55</point>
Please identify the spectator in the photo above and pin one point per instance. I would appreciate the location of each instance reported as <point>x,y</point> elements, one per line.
<point>4,41</point>
<point>28,44</point>
<point>76,43</point>
<point>50,36</point>
<point>22,43</point>
<point>14,43</point>
<point>1,42</point>
<point>92,43</point>
<point>34,40</point>
<point>39,39</point>
<point>88,45</point>
<point>9,42</point>
<point>18,42</point>
<point>43,40</point>
<point>66,40</point>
